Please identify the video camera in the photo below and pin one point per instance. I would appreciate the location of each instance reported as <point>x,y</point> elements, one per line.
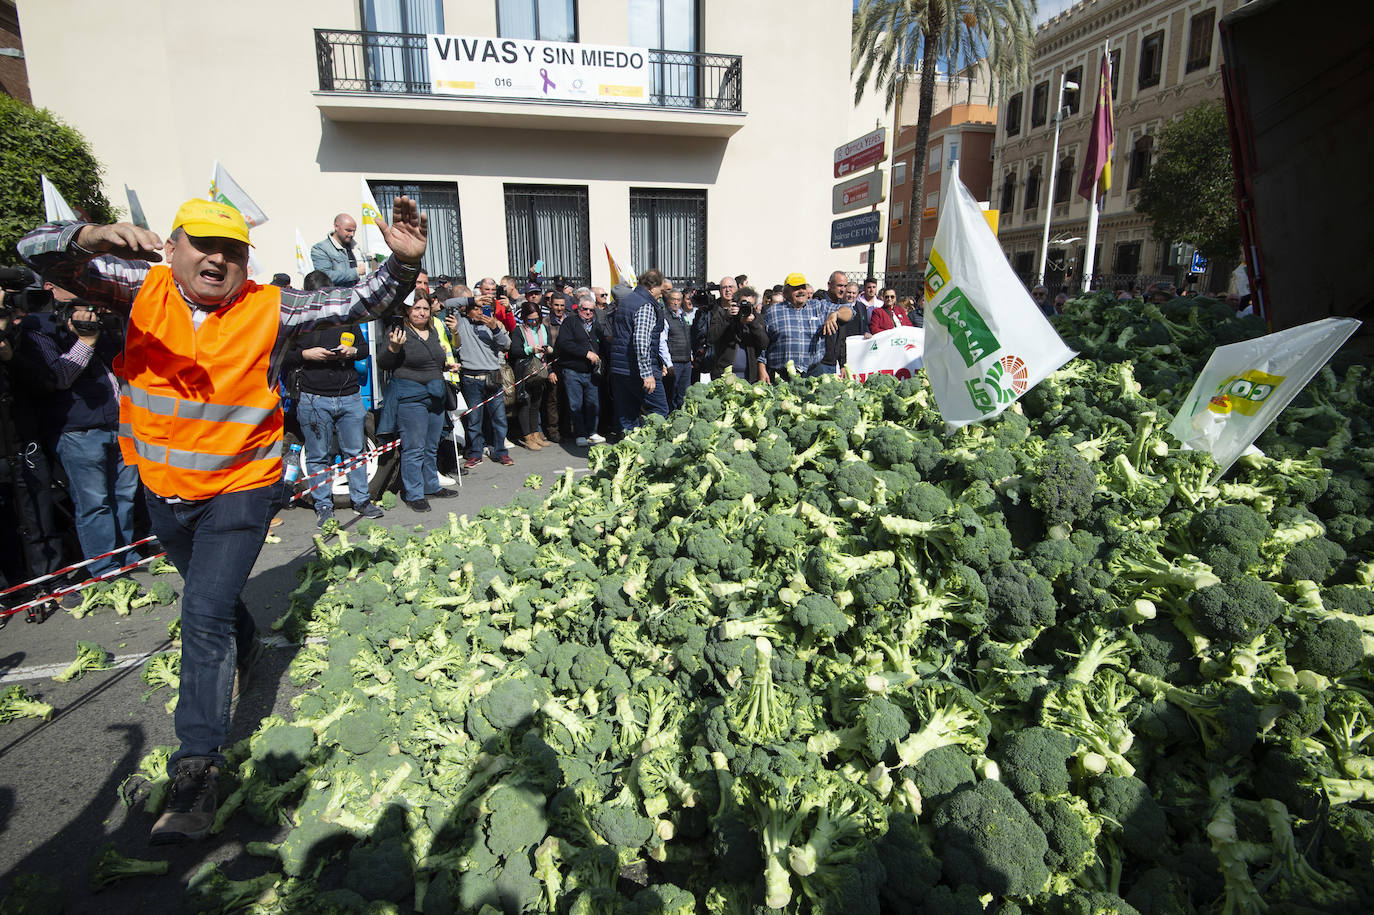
<point>22,290</point>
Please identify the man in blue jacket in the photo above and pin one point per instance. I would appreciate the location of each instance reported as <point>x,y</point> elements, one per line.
<point>338,255</point>
<point>636,372</point>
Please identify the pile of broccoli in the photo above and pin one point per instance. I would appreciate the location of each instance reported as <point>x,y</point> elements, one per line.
<point>795,648</point>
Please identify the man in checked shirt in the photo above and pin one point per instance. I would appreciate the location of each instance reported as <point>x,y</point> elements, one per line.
<point>795,329</point>
<point>200,418</point>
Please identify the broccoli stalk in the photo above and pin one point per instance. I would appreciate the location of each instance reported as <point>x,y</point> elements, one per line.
<point>89,656</point>
<point>758,714</point>
<point>15,702</point>
<point>162,670</point>
<point>110,867</point>
<point>946,719</point>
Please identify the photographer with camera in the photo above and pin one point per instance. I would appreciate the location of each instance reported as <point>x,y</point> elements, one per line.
<point>736,335</point>
<point>24,464</point>
<point>78,347</point>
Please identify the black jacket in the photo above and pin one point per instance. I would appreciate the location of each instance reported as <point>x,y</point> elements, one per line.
<point>726,334</point>
<point>571,348</point>
<point>333,377</point>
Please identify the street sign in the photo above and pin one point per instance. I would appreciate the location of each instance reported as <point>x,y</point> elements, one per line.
<point>864,229</point>
<point>856,155</point>
<point>858,192</point>
<point>1199,263</point>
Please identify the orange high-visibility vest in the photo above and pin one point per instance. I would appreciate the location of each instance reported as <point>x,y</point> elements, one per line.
<point>196,414</point>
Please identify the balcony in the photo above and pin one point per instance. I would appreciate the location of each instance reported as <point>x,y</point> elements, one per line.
<point>383,77</point>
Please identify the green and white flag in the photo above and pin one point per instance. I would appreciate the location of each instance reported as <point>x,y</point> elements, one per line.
<point>54,206</point>
<point>224,189</point>
<point>986,341</point>
<point>369,232</point>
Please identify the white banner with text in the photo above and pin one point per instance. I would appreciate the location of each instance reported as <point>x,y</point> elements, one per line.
<point>527,69</point>
<point>898,352</point>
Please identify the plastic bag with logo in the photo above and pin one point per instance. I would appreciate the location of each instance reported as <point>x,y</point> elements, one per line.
<point>1245,386</point>
<point>986,343</point>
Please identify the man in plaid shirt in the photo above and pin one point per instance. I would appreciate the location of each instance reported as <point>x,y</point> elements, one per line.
<point>795,329</point>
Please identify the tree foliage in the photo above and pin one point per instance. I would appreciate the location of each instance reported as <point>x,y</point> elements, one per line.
<point>1189,192</point>
<point>893,40</point>
<point>35,142</point>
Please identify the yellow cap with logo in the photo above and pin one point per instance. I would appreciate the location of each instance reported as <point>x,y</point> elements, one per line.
<point>207,218</point>
<point>795,280</point>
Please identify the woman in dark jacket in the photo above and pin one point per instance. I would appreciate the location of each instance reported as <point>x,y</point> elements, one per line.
<point>417,361</point>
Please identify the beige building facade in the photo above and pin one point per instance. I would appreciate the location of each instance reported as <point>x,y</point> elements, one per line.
<point>726,169</point>
<point>1166,58</point>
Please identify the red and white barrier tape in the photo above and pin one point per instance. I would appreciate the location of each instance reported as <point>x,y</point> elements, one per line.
<point>342,469</point>
<point>74,566</point>
<point>72,589</point>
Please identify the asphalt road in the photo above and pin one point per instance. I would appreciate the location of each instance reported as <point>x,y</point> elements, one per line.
<point>59,780</point>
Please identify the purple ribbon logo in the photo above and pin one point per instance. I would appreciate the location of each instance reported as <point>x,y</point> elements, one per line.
<point>548,83</point>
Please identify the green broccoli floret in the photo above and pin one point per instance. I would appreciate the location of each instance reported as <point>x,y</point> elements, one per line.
<point>1020,602</point>
<point>1228,538</point>
<point>1355,600</point>
<point>1224,714</point>
<point>912,867</point>
<point>1165,652</point>
<point>924,502</point>
<point>1034,760</point>
<point>110,867</point>
<point>1063,492</point>
<point>517,822</point>
<point>15,702</point>
<point>1159,891</point>
<point>1130,814</point>
<point>820,616</point>
<point>89,656</point>
<point>774,453</point>
<point>878,590</point>
<point>283,748</point>
<point>380,868</point>
<point>662,899</point>
<point>1312,560</point>
<point>941,772</point>
<point>620,823</point>
<point>35,894</point>
<point>1071,830</point>
<point>1079,901</point>
<point>1236,610</point>
<point>892,446</point>
<point>988,841</point>
<point>856,480</point>
<point>1329,647</point>
<point>881,725</point>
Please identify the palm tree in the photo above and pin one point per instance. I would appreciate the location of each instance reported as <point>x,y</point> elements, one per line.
<point>894,39</point>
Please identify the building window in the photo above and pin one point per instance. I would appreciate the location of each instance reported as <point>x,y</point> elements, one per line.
<point>932,200</point>
<point>671,25</point>
<point>539,20</point>
<point>953,152</point>
<point>1200,31</point>
<point>935,159</point>
<point>1008,192</point>
<point>1040,100</point>
<point>1063,181</point>
<point>1032,199</point>
<point>1115,59</point>
<point>668,231</point>
<point>1073,97</point>
<point>1127,257</point>
<point>897,210</point>
<point>410,17</point>
<point>1151,60</point>
<point>438,201</point>
<point>896,254</point>
<point>1140,162</point>
<point>927,246</point>
<point>1014,115</point>
<point>549,223</point>
<point>899,173</point>
<point>391,66</point>
<point>1025,264</point>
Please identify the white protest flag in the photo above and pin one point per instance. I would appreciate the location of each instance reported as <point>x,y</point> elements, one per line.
<point>302,262</point>
<point>136,215</point>
<point>370,233</point>
<point>224,189</point>
<point>56,208</point>
<point>1245,386</point>
<point>620,274</point>
<point>898,352</point>
<point>986,343</point>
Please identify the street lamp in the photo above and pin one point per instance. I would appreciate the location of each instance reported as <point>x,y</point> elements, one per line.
<point>1060,113</point>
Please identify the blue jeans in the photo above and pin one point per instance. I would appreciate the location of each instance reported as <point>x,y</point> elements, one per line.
<point>488,420</point>
<point>420,429</point>
<point>102,488</point>
<point>584,403</point>
<point>322,418</point>
<point>656,401</point>
<point>213,543</point>
<point>678,384</point>
<point>627,400</point>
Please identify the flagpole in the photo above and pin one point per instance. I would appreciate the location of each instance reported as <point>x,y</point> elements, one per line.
<point>1090,253</point>
<point>1049,192</point>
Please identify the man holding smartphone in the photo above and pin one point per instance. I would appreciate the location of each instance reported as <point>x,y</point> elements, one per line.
<point>329,407</point>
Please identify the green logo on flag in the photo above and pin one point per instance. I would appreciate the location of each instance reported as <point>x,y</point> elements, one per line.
<point>966,327</point>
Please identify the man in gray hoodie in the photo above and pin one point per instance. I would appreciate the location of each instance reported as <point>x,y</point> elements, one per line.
<point>482,344</point>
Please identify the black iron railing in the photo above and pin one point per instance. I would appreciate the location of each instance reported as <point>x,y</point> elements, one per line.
<point>392,63</point>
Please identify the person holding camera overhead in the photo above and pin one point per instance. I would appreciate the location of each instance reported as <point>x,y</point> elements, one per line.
<point>482,345</point>
<point>81,414</point>
<point>736,335</point>
<point>417,358</point>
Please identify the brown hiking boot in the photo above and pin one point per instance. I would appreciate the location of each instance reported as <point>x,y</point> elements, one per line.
<point>531,442</point>
<point>191,802</point>
<point>542,441</point>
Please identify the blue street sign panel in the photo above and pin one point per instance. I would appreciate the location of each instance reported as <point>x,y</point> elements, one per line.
<point>1199,263</point>
<point>864,229</point>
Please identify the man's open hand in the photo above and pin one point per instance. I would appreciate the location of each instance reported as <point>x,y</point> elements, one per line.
<point>122,239</point>
<point>408,233</point>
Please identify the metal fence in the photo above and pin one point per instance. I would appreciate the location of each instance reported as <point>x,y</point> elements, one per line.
<point>394,63</point>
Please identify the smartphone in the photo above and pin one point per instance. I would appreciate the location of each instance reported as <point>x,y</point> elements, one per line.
<point>486,311</point>
<point>539,266</point>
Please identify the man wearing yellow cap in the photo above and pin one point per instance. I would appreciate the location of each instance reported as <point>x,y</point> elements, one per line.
<point>200,418</point>
<point>795,330</point>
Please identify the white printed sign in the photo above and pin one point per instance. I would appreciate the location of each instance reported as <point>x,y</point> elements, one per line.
<point>899,352</point>
<point>527,69</point>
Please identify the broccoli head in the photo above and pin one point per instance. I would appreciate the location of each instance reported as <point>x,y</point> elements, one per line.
<point>1035,760</point>
<point>988,841</point>
<point>1236,610</point>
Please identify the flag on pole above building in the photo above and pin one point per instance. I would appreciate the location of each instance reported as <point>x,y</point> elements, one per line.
<point>224,189</point>
<point>302,262</point>
<point>1097,165</point>
<point>618,273</point>
<point>136,215</point>
<point>55,207</point>
<point>370,233</point>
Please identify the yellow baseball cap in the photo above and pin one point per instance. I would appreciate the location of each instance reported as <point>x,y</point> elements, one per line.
<point>207,218</point>
<point>795,280</point>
